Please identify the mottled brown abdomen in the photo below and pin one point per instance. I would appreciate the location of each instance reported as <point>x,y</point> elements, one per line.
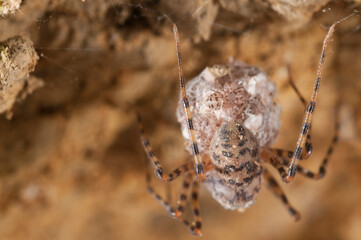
<point>236,178</point>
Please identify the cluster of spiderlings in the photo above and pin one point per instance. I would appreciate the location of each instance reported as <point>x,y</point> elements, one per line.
<point>8,6</point>
<point>235,91</point>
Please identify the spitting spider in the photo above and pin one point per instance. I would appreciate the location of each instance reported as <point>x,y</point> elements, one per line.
<point>236,120</point>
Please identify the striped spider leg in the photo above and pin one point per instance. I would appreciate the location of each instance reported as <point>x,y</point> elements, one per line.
<point>198,163</point>
<point>191,174</point>
<point>277,190</point>
<point>307,120</point>
<point>177,211</point>
<point>278,159</point>
<point>199,166</point>
<point>306,153</point>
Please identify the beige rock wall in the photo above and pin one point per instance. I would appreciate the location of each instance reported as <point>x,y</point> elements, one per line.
<point>71,165</point>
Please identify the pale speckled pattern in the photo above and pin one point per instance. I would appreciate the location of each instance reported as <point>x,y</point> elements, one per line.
<point>235,91</point>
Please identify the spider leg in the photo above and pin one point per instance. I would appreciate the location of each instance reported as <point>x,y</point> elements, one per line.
<point>288,154</point>
<point>293,85</point>
<point>322,169</point>
<point>269,157</point>
<point>176,212</point>
<point>308,145</point>
<point>276,189</point>
<point>196,227</point>
<point>199,167</point>
<point>163,202</point>
<point>279,158</point>
<point>307,120</point>
<point>155,162</point>
<point>183,196</point>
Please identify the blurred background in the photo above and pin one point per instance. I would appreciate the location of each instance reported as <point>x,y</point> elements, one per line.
<point>71,163</point>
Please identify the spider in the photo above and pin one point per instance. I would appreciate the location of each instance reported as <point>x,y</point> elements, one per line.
<point>230,162</point>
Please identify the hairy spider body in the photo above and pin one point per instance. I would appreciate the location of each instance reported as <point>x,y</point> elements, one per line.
<point>236,178</point>
<point>236,126</point>
<point>235,114</point>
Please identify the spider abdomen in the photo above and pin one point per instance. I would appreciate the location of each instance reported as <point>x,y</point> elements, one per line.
<point>236,178</point>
